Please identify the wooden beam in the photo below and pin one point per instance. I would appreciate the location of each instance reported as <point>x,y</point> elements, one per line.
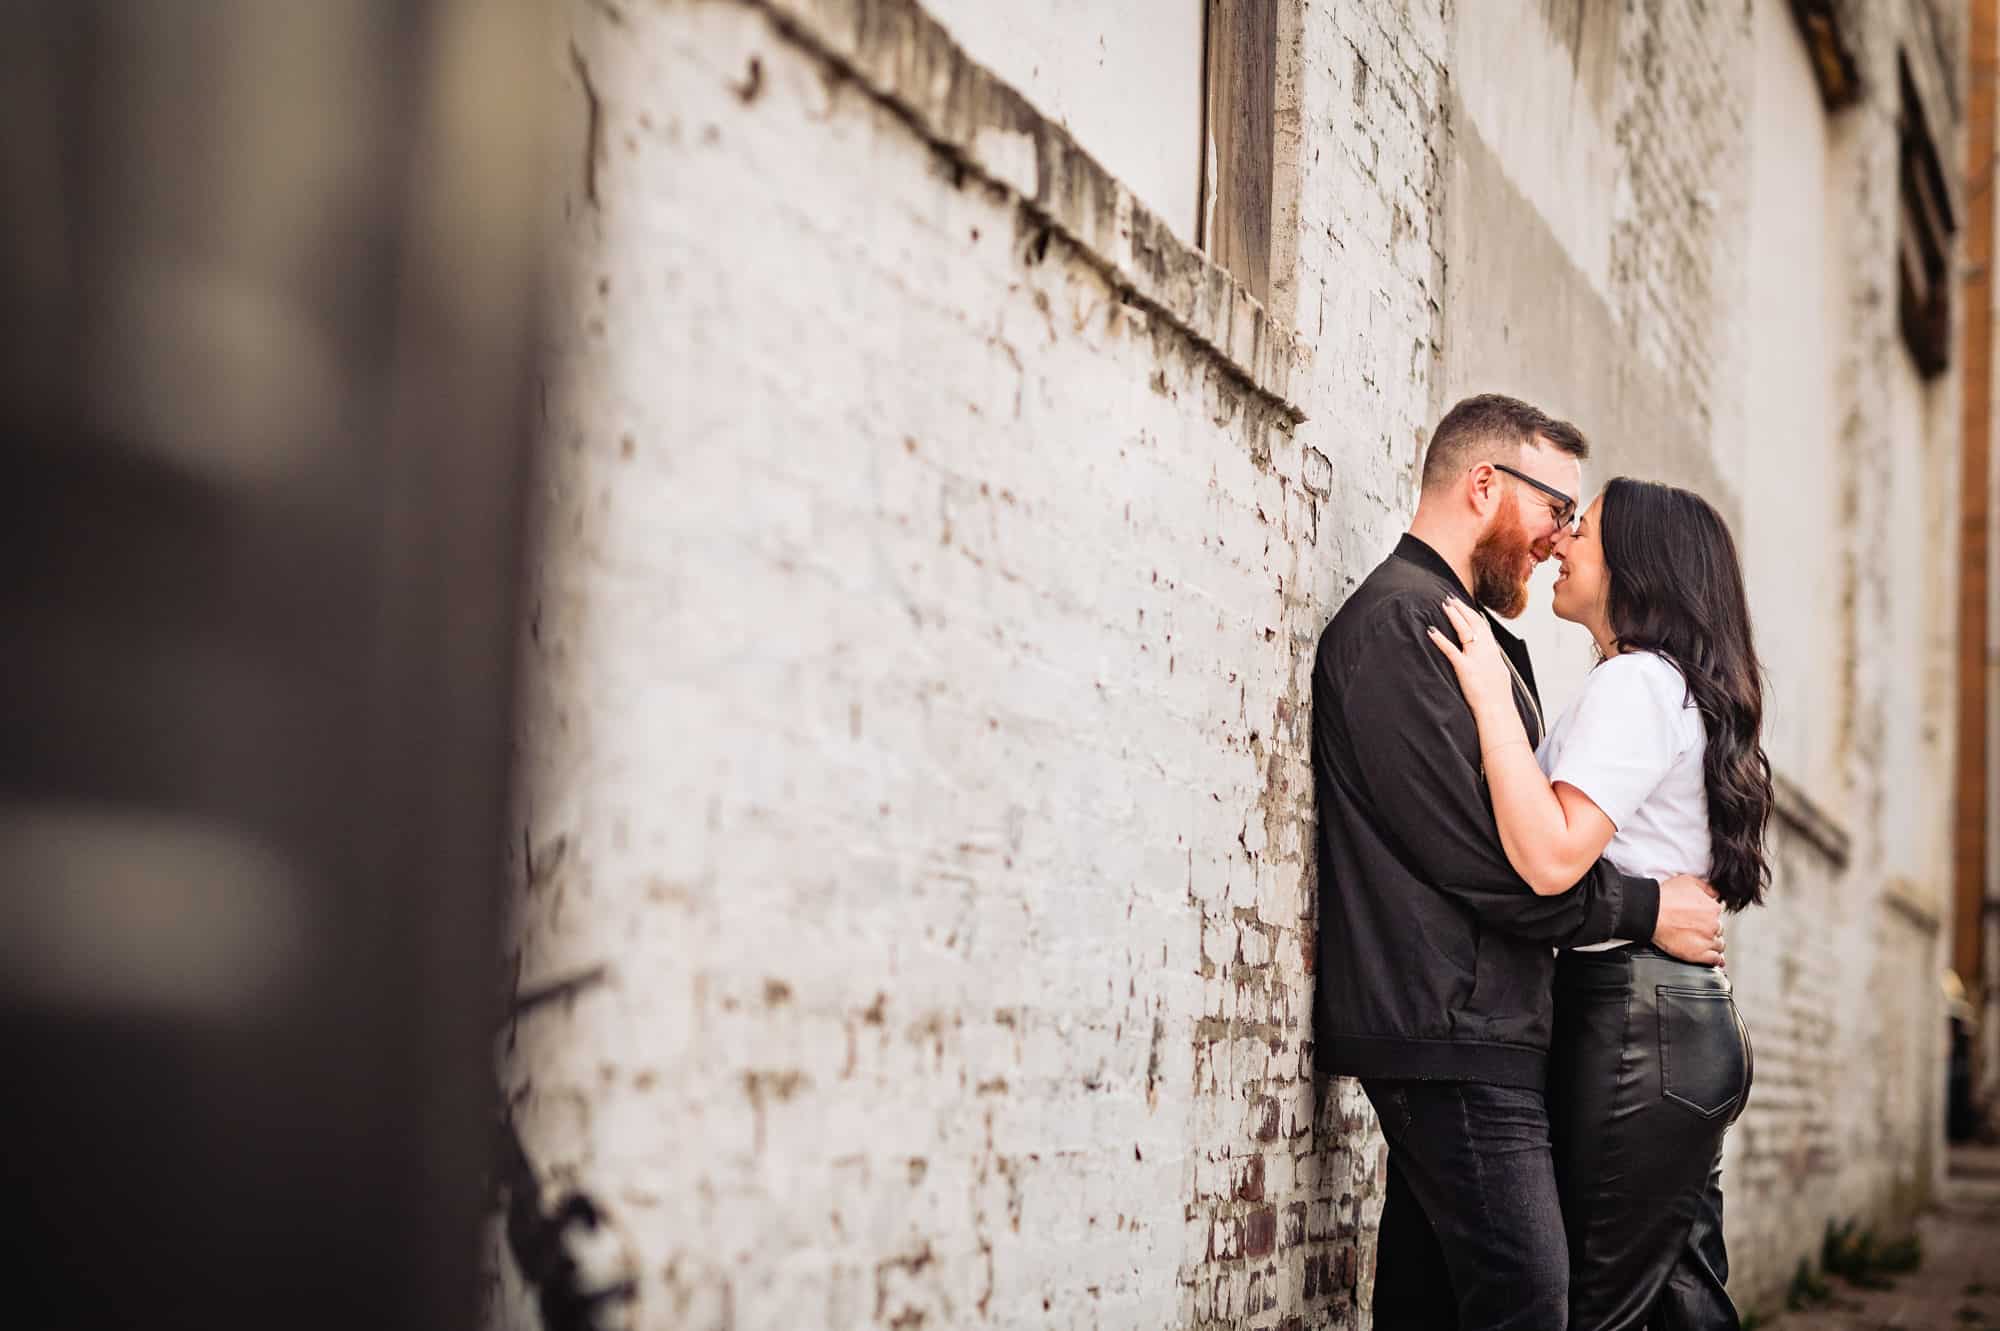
<point>1242,128</point>
<point>1969,819</point>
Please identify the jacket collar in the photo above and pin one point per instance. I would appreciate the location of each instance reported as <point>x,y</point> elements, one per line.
<point>1415,551</point>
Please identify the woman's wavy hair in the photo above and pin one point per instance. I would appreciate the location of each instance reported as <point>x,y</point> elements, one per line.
<point>1676,588</point>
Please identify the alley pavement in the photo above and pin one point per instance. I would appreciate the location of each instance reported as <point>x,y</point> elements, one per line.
<point>1957,1288</point>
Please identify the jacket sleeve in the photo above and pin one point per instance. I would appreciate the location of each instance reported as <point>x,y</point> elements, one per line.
<point>1416,757</point>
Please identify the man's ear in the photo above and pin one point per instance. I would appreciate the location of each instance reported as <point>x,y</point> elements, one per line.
<point>1482,488</point>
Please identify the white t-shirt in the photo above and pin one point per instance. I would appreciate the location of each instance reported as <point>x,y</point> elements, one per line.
<point>1633,742</point>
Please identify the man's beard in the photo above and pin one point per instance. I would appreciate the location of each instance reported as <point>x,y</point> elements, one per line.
<point>1502,561</point>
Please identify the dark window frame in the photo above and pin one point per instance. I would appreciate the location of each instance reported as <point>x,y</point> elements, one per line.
<point>1832,55</point>
<point>1924,228</point>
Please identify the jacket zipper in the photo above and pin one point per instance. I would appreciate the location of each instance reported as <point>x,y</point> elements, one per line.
<point>1541,726</point>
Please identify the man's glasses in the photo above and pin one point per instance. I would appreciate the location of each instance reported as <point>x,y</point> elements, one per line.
<point>1564,508</point>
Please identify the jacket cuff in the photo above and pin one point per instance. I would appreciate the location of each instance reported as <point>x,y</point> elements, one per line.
<point>1638,910</point>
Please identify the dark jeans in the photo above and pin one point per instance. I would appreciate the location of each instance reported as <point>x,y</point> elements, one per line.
<point>1649,1066</point>
<point>1472,1235</point>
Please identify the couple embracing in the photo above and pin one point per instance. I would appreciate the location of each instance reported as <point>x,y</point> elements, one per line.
<point>1520,918</point>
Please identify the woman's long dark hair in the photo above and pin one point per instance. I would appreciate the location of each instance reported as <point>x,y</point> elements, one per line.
<point>1676,588</point>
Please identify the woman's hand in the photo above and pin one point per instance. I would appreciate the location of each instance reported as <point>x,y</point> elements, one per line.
<point>1483,672</point>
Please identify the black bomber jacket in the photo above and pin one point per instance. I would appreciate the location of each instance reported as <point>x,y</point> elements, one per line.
<point>1435,959</point>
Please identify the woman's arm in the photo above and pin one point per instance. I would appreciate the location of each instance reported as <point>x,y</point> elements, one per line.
<point>1552,833</point>
<point>1390,725</point>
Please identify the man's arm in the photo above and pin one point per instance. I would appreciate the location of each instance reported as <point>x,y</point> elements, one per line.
<point>1415,756</point>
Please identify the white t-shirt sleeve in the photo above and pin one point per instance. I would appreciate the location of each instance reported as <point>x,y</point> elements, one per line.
<point>1626,734</point>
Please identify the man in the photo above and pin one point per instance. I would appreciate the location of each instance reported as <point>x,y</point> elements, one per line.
<point>1435,959</point>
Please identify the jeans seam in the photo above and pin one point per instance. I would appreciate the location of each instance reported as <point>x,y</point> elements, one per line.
<point>1478,1165</point>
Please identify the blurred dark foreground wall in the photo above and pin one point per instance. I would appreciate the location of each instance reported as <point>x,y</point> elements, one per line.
<point>268,292</point>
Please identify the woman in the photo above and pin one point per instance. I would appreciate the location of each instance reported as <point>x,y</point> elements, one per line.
<point>1657,767</point>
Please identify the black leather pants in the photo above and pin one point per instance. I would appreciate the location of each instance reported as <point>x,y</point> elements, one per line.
<point>1649,1065</point>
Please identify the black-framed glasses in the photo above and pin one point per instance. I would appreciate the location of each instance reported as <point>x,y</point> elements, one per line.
<point>1565,507</point>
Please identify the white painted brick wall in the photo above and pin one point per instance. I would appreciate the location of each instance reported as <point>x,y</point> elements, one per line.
<point>915,711</point>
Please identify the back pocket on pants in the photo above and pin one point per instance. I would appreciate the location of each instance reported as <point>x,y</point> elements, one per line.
<point>1704,1064</point>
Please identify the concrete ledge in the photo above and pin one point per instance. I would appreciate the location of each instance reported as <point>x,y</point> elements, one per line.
<point>907,61</point>
<point>1902,898</point>
<point>1797,810</point>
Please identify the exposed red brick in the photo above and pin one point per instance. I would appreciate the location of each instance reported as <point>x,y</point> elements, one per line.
<point>1250,1187</point>
<point>1260,1232</point>
<point>1295,1224</point>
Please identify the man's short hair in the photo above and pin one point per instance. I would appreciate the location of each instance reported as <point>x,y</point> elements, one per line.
<point>1487,428</point>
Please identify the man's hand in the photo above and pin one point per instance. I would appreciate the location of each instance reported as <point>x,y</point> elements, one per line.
<point>1690,924</point>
